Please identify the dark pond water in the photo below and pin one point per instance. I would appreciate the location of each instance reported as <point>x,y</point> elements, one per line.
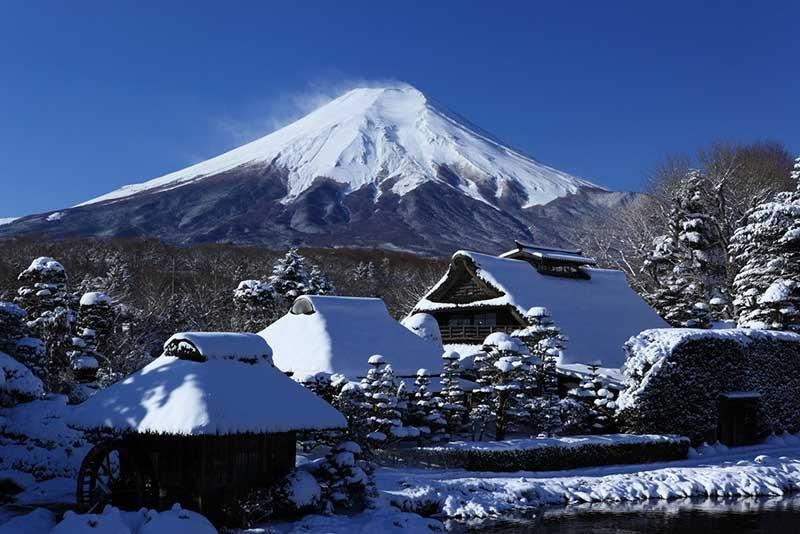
<point>708,516</point>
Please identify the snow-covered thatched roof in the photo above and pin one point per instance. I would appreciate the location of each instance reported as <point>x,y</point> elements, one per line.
<point>597,314</point>
<point>219,346</point>
<point>339,334</point>
<point>220,395</point>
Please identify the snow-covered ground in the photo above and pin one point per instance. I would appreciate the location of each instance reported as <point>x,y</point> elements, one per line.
<point>44,466</point>
<point>772,468</point>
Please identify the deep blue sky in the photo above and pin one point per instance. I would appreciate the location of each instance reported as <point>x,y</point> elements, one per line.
<point>94,95</point>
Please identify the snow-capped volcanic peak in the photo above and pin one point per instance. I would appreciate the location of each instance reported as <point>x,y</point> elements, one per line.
<point>371,135</point>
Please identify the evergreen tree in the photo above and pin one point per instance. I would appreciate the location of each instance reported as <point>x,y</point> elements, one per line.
<point>96,318</point>
<point>254,301</point>
<point>318,283</point>
<point>290,277</point>
<point>385,418</point>
<point>44,296</point>
<point>424,411</point>
<point>502,397</point>
<point>453,399</point>
<point>545,341</point>
<point>352,401</point>
<point>346,479</point>
<point>687,264</point>
<point>766,248</point>
<point>593,392</point>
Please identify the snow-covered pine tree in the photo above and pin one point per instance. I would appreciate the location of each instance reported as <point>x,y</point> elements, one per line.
<point>766,249</point>
<point>346,479</point>
<point>502,397</point>
<point>352,401</point>
<point>290,277</point>
<point>43,294</point>
<point>687,263</point>
<point>318,283</point>
<point>544,340</point>
<point>424,411</point>
<point>593,392</point>
<point>255,303</point>
<point>96,316</point>
<point>453,399</point>
<point>385,415</point>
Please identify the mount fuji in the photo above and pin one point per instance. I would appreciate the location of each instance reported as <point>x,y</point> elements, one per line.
<point>377,167</point>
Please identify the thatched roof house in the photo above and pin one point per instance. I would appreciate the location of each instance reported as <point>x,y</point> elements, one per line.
<point>338,335</point>
<point>208,383</point>
<point>595,308</point>
<point>210,418</point>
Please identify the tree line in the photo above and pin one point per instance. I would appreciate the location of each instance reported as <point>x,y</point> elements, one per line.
<point>714,241</point>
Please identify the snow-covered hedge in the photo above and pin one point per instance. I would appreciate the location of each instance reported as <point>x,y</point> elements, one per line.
<point>545,454</point>
<point>674,378</point>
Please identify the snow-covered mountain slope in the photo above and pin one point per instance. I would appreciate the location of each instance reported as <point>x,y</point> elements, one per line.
<point>376,135</point>
<point>376,167</point>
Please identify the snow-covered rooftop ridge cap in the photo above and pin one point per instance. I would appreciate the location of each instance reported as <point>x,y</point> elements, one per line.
<point>203,346</point>
<point>551,253</point>
<point>309,304</point>
<point>536,246</point>
<point>93,298</point>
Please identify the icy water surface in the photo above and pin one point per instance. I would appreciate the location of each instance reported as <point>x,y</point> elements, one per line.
<point>708,516</point>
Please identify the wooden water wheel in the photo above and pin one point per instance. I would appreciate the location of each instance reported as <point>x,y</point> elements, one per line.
<point>115,473</point>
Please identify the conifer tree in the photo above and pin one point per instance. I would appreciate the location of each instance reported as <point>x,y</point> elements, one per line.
<point>290,277</point>
<point>687,263</point>
<point>502,397</point>
<point>424,411</point>
<point>346,478</point>
<point>255,303</point>
<point>44,296</point>
<point>593,392</point>
<point>453,399</point>
<point>380,387</point>
<point>318,283</point>
<point>766,248</point>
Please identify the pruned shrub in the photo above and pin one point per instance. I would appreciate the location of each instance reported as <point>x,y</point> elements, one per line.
<point>544,454</point>
<point>674,378</point>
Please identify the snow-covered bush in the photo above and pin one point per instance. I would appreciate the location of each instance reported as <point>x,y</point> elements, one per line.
<point>346,479</point>
<point>295,495</point>
<point>599,400</point>
<point>17,382</point>
<point>425,326</point>
<point>674,378</point>
<point>546,454</point>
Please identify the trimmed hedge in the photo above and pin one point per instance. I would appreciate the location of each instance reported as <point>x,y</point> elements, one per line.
<point>674,379</point>
<point>550,456</point>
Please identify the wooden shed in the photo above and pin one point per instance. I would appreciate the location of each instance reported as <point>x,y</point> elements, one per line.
<point>209,419</point>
